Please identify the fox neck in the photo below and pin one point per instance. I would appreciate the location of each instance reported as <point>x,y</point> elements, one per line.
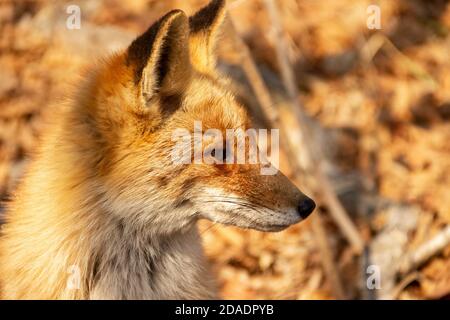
<point>106,257</point>
<point>136,265</point>
<point>129,260</point>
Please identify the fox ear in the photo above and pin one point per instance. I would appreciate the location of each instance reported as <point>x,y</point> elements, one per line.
<point>160,56</point>
<point>205,26</point>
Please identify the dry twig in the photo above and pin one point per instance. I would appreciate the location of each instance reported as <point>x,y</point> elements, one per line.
<point>406,281</point>
<point>310,148</point>
<point>424,252</point>
<point>327,256</point>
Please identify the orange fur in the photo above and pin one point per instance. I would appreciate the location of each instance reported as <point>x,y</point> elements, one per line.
<point>102,195</point>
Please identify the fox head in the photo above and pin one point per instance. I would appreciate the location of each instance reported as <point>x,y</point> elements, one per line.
<point>166,80</point>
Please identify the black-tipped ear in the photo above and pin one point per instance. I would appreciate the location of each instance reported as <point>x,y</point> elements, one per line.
<point>205,26</point>
<point>160,56</point>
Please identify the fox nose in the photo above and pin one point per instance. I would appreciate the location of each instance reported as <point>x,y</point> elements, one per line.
<point>305,207</point>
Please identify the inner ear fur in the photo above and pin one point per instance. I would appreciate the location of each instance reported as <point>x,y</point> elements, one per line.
<point>205,27</point>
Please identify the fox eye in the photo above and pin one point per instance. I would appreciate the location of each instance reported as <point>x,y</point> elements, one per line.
<point>219,154</point>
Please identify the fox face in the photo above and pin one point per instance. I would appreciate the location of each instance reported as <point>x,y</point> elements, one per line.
<point>164,81</point>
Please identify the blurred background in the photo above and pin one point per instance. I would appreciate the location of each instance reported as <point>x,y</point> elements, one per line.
<point>379,100</point>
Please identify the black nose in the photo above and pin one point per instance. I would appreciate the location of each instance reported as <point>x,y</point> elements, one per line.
<point>305,207</point>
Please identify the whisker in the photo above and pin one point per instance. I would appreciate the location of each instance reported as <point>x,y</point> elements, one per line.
<point>243,204</point>
<point>240,199</point>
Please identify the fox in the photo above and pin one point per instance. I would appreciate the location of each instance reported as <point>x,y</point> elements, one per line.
<point>103,212</point>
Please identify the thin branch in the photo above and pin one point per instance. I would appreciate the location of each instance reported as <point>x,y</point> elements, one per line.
<point>311,149</point>
<point>424,252</point>
<point>327,256</point>
<point>406,281</point>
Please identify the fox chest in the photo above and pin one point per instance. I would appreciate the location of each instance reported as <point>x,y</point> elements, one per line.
<point>176,270</point>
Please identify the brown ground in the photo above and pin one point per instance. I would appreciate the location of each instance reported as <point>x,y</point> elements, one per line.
<point>383,96</point>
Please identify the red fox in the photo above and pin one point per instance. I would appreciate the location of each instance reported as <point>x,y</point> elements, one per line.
<point>103,212</point>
